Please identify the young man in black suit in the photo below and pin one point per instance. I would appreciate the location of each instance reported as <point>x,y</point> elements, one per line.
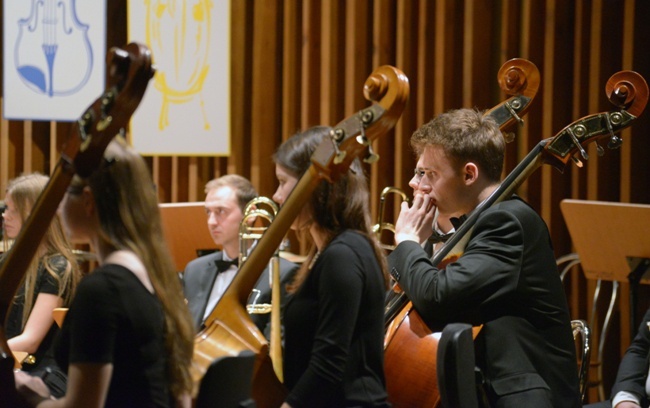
<point>206,278</point>
<point>506,280</point>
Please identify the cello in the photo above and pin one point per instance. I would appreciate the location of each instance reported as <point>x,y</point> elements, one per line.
<point>229,330</point>
<point>628,91</point>
<point>129,71</point>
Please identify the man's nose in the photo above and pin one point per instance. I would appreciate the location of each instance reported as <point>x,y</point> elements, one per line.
<point>414,183</point>
<point>424,185</point>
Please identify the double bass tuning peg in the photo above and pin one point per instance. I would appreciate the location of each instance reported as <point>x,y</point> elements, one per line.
<point>371,157</point>
<point>577,162</point>
<point>614,142</point>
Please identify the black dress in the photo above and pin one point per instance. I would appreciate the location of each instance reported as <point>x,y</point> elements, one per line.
<point>334,329</point>
<point>115,319</point>
<point>44,364</point>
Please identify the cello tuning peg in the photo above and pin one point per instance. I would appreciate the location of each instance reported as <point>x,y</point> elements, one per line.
<point>577,161</point>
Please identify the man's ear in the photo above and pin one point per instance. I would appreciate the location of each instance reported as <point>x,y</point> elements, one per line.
<point>470,172</point>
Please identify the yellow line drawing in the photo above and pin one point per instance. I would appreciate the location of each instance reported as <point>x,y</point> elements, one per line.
<point>178,33</point>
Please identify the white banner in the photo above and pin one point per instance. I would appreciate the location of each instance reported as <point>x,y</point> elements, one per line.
<point>186,108</point>
<point>54,58</point>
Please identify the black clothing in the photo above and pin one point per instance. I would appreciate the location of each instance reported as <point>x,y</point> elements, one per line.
<point>44,355</point>
<point>115,319</point>
<point>334,329</point>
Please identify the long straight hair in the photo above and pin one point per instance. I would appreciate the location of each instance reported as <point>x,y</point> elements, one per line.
<point>24,191</point>
<point>129,217</point>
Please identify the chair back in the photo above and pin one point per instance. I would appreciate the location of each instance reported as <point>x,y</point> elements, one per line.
<point>228,382</point>
<point>455,367</point>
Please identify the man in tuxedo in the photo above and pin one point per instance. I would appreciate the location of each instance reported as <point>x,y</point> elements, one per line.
<point>506,279</point>
<point>206,278</point>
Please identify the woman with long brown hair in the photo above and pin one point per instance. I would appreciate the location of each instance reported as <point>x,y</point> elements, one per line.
<point>127,339</point>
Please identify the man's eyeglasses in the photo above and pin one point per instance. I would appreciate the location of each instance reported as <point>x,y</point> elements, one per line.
<point>418,173</point>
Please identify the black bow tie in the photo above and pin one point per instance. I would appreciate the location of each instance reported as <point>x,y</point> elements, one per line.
<point>223,265</point>
<point>437,237</point>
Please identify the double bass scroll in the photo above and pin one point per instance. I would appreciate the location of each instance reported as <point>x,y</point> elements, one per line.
<point>229,330</point>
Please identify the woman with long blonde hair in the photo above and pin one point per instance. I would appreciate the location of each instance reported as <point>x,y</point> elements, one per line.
<point>48,283</point>
<point>127,339</point>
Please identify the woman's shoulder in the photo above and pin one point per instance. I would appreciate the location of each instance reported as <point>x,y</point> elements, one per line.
<point>56,263</point>
<point>349,243</point>
<point>102,278</point>
<point>350,238</point>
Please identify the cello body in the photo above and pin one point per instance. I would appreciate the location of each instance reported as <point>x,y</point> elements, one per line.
<point>405,331</point>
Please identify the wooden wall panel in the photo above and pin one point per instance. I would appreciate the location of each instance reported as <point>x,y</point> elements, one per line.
<point>296,64</point>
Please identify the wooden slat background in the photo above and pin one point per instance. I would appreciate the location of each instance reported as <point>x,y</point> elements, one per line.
<point>301,63</point>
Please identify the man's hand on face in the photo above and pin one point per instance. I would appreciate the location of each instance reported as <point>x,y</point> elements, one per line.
<point>414,223</point>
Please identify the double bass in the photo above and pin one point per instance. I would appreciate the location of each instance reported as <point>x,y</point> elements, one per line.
<point>229,329</point>
<point>628,91</point>
<point>129,71</point>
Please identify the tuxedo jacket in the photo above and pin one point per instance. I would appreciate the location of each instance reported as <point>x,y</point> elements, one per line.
<point>199,278</point>
<point>507,281</point>
<point>633,370</point>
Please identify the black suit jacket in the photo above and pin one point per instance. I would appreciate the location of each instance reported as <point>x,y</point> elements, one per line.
<point>633,370</point>
<point>506,280</point>
<point>201,274</point>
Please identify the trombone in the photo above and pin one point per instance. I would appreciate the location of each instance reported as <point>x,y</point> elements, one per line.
<point>382,225</point>
<point>249,231</point>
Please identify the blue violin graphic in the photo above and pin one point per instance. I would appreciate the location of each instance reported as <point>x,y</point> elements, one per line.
<point>51,34</point>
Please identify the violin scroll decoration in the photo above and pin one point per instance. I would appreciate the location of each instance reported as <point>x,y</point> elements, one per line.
<point>625,89</point>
